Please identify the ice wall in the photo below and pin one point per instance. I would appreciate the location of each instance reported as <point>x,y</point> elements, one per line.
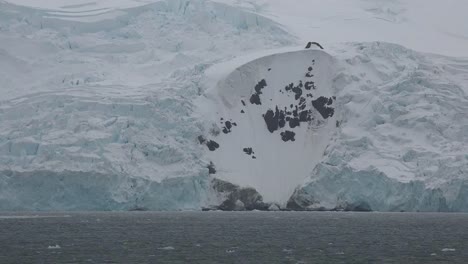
<point>74,190</point>
<point>92,101</point>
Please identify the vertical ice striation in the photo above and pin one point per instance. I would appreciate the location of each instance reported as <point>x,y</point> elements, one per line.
<point>96,111</point>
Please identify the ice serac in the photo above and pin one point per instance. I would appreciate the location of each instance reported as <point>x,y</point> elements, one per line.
<point>273,118</point>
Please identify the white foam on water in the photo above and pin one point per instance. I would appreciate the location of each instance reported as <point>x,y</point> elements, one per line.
<point>167,248</point>
<point>54,247</point>
<point>448,250</point>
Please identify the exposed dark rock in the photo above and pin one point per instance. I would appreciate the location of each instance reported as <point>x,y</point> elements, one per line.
<point>227,127</point>
<point>238,198</point>
<point>255,98</point>
<point>248,151</point>
<point>321,105</point>
<point>212,145</point>
<point>288,136</point>
<point>250,198</point>
<point>294,122</point>
<point>309,44</point>
<point>272,120</point>
<point>295,89</point>
<point>223,186</point>
<point>305,116</point>
<point>211,168</point>
<point>302,101</point>
<point>258,88</point>
<point>298,92</point>
<point>309,85</point>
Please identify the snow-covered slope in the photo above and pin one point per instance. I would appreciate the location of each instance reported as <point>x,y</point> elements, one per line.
<point>104,105</point>
<point>403,133</point>
<point>272,119</point>
<point>424,25</point>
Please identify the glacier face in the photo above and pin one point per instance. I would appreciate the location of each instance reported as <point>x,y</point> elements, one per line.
<point>90,104</point>
<point>403,133</point>
<point>76,190</point>
<point>104,111</point>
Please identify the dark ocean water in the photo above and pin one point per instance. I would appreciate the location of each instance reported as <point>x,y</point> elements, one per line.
<point>233,237</point>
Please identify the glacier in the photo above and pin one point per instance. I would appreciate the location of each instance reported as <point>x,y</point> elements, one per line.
<point>113,109</point>
<point>403,134</point>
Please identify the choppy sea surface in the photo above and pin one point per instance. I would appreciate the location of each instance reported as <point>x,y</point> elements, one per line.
<point>233,237</point>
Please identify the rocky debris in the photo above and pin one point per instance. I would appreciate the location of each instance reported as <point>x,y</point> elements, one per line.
<point>228,124</point>
<point>323,105</point>
<point>255,98</point>
<point>211,168</point>
<point>250,152</point>
<point>238,198</point>
<point>247,199</point>
<point>288,136</point>
<point>210,144</point>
